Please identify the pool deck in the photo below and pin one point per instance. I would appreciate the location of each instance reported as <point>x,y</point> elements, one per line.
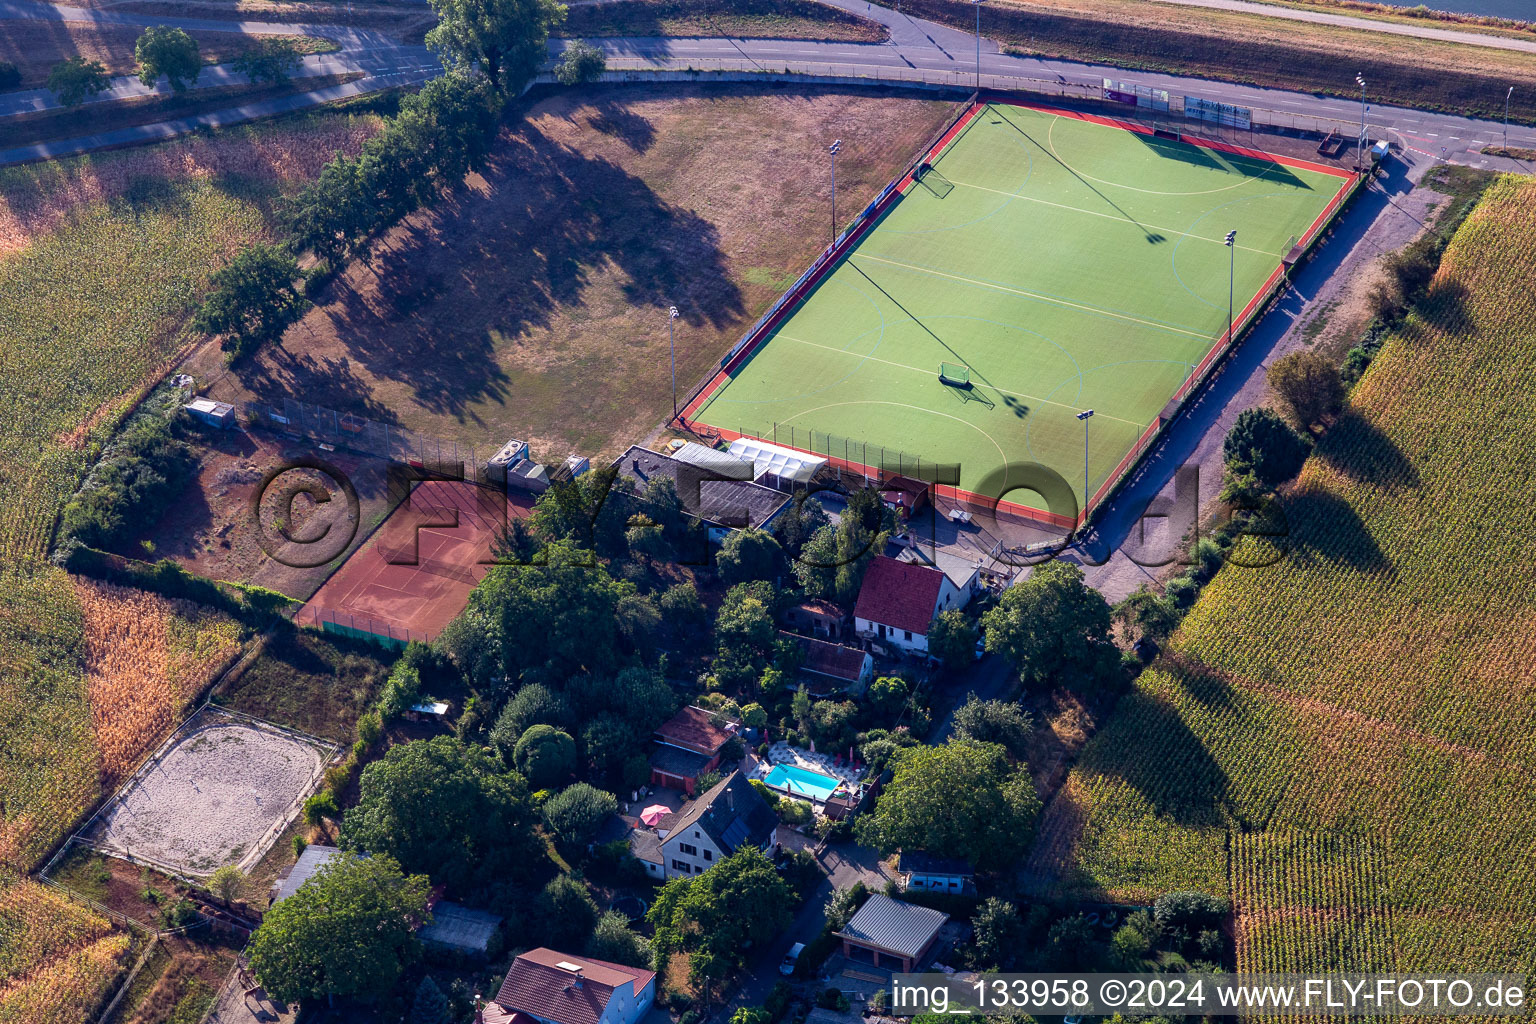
<point>822,764</point>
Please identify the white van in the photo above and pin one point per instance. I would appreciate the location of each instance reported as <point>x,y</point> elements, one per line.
<point>787,966</point>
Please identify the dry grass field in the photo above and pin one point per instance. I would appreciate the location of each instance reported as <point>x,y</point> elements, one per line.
<point>533,304</point>
<point>36,46</point>
<point>1242,46</point>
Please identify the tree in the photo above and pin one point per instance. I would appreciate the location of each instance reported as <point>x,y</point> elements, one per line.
<point>615,941</point>
<point>1070,944</point>
<point>844,903</point>
<point>10,75</point>
<point>580,63</point>
<point>1262,443</point>
<point>253,301</point>
<point>1189,910</point>
<point>744,634</point>
<point>799,520</point>
<point>999,935</point>
<point>534,704</point>
<point>545,755</point>
<point>541,623</point>
<point>754,716</point>
<point>268,60</point>
<point>227,883</point>
<point>645,538</point>
<point>565,913</point>
<point>719,916</point>
<point>962,798</point>
<point>349,931</point>
<point>74,79</point>
<point>504,38</point>
<point>1153,617</point>
<point>444,809</point>
<point>833,561</point>
<point>167,51</point>
<point>952,639</point>
<point>430,1006</point>
<point>994,721</point>
<point>1308,385</point>
<point>887,694</point>
<point>1055,630</point>
<point>576,812</point>
<point>749,555</point>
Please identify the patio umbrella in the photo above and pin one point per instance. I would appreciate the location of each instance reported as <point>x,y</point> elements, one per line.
<point>653,814</point>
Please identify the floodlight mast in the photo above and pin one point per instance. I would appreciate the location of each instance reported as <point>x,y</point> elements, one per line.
<point>837,144</point>
<point>672,315</point>
<point>1360,149</point>
<point>1231,279</point>
<point>1085,416</point>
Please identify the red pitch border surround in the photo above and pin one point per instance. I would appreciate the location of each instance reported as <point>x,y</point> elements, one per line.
<point>834,255</point>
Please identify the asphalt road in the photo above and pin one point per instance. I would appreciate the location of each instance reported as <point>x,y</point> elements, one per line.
<point>914,46</point>
<point>1370,24</point>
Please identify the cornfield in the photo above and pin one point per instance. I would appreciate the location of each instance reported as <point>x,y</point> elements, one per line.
<point>145,658</point>
<point>101,260</point>
<point>1343,743</point>
<point>57,958</point>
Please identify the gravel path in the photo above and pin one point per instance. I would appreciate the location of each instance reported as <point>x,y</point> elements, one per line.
<point>217,794</point>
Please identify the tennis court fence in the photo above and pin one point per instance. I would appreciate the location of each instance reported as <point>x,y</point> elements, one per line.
<point>364,436</point>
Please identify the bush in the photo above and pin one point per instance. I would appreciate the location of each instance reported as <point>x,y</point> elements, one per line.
<point>580,63</point>
<point>1262,443</point>
<point>10,75</point>
<point>576,812</point>
<point>321,806</point>
<point>1189,910</point>
<point>227,883</point>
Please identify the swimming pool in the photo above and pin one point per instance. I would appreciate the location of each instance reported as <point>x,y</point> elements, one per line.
<point>797,781</point>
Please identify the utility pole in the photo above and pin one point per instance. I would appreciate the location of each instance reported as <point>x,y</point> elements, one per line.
<point>672,315</point>
<point>832,149</point>
<point>1231,279</point>
<point>1506,117</point>
<point>977,4</point>
<point>1085,416</point>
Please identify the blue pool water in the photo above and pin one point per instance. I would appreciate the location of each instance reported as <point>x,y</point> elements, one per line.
<point>788,778</point>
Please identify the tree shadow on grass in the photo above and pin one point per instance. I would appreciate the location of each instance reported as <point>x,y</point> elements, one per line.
<point>494,264</point>
<point>283,371</point>
<point>620,121</point>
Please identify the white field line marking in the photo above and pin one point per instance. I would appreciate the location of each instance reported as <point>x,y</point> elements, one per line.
<point>1110,216</point>
<point>1037,296</point>
<point>917,369</point>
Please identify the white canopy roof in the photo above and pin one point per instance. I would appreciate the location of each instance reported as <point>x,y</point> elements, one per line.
<point>784,463</point>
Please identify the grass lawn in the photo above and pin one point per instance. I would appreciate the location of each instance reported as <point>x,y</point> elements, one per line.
<point>534,303</point>
<point>1069,264</point>
<point>316,684</point>
<point>743,19</point>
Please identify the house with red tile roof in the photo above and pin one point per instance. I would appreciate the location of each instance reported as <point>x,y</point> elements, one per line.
<point>898,601</point>
<point>548,987</point>
<point>689,746</point>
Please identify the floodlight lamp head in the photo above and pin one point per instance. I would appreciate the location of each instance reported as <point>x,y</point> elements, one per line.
<point>672,313</point>
<point>836,145</point>
<point>1231,237</point>
<point>1085,414</point>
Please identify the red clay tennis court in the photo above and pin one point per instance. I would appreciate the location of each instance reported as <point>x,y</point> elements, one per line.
<point>414,575</point>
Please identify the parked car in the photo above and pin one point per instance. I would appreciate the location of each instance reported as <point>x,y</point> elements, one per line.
<point>787,965</point>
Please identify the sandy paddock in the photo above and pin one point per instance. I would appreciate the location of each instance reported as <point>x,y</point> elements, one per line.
<point>218,792</point>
